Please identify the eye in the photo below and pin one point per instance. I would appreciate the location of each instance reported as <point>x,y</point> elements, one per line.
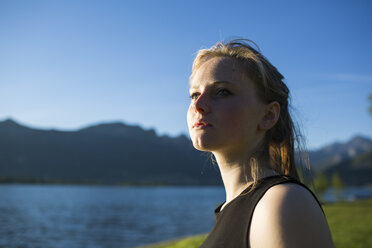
<point>223,92</point>
<point>194,96</point>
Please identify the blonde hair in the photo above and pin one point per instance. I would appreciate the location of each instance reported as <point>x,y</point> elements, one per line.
<point>279,141</point>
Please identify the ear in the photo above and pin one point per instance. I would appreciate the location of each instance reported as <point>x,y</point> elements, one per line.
<point>270,117</point>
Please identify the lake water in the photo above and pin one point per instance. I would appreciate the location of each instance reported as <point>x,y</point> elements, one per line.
<point>46,216</point>
<point>102,216</point>
<point>347,194</point>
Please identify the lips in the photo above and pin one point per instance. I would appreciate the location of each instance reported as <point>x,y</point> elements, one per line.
<point>201,124</point>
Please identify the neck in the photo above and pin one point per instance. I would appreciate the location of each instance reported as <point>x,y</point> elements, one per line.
<point>236,173</point>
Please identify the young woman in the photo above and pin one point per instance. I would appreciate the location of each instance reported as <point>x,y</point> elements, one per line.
<point>239,112</point>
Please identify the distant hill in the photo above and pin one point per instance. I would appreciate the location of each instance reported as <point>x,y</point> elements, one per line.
<point>333,154</point>
<point>354,171</point>
<point>116,153</point>
<point>112,153</point>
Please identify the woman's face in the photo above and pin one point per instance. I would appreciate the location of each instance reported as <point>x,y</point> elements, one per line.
<point>225,111</point>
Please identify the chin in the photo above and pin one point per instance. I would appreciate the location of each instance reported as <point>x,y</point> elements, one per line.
<point>204,145</point>
<point>201,148</point>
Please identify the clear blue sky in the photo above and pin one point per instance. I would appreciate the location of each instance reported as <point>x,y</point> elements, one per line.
<point>68,64</point>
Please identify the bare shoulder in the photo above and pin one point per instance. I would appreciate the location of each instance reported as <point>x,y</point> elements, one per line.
<point>289,216</point>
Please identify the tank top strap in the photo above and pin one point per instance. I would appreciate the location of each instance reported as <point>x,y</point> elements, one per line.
<point>266,183</point>
<point>262,187</point>
<point>233,221</point>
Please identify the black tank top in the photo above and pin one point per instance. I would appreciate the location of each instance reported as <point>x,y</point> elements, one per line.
<point>232,223</point>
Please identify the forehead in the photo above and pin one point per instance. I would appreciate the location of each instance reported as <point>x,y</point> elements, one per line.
<point>219,69</point>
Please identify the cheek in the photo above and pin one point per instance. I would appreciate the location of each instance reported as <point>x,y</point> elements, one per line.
<point>239,117</point>
<point>189,118</point>
<point>234,114</point>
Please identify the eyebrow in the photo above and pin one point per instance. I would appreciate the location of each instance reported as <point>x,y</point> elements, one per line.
<point>215,83</point>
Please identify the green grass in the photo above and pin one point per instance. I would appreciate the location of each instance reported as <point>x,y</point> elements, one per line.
<point>350,224</point>
<point>189,242</point>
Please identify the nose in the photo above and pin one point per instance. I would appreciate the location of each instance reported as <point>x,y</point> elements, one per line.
<point>201,104</point>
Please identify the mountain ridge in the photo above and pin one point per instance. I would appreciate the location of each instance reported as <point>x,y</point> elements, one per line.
<point>117,153</point>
